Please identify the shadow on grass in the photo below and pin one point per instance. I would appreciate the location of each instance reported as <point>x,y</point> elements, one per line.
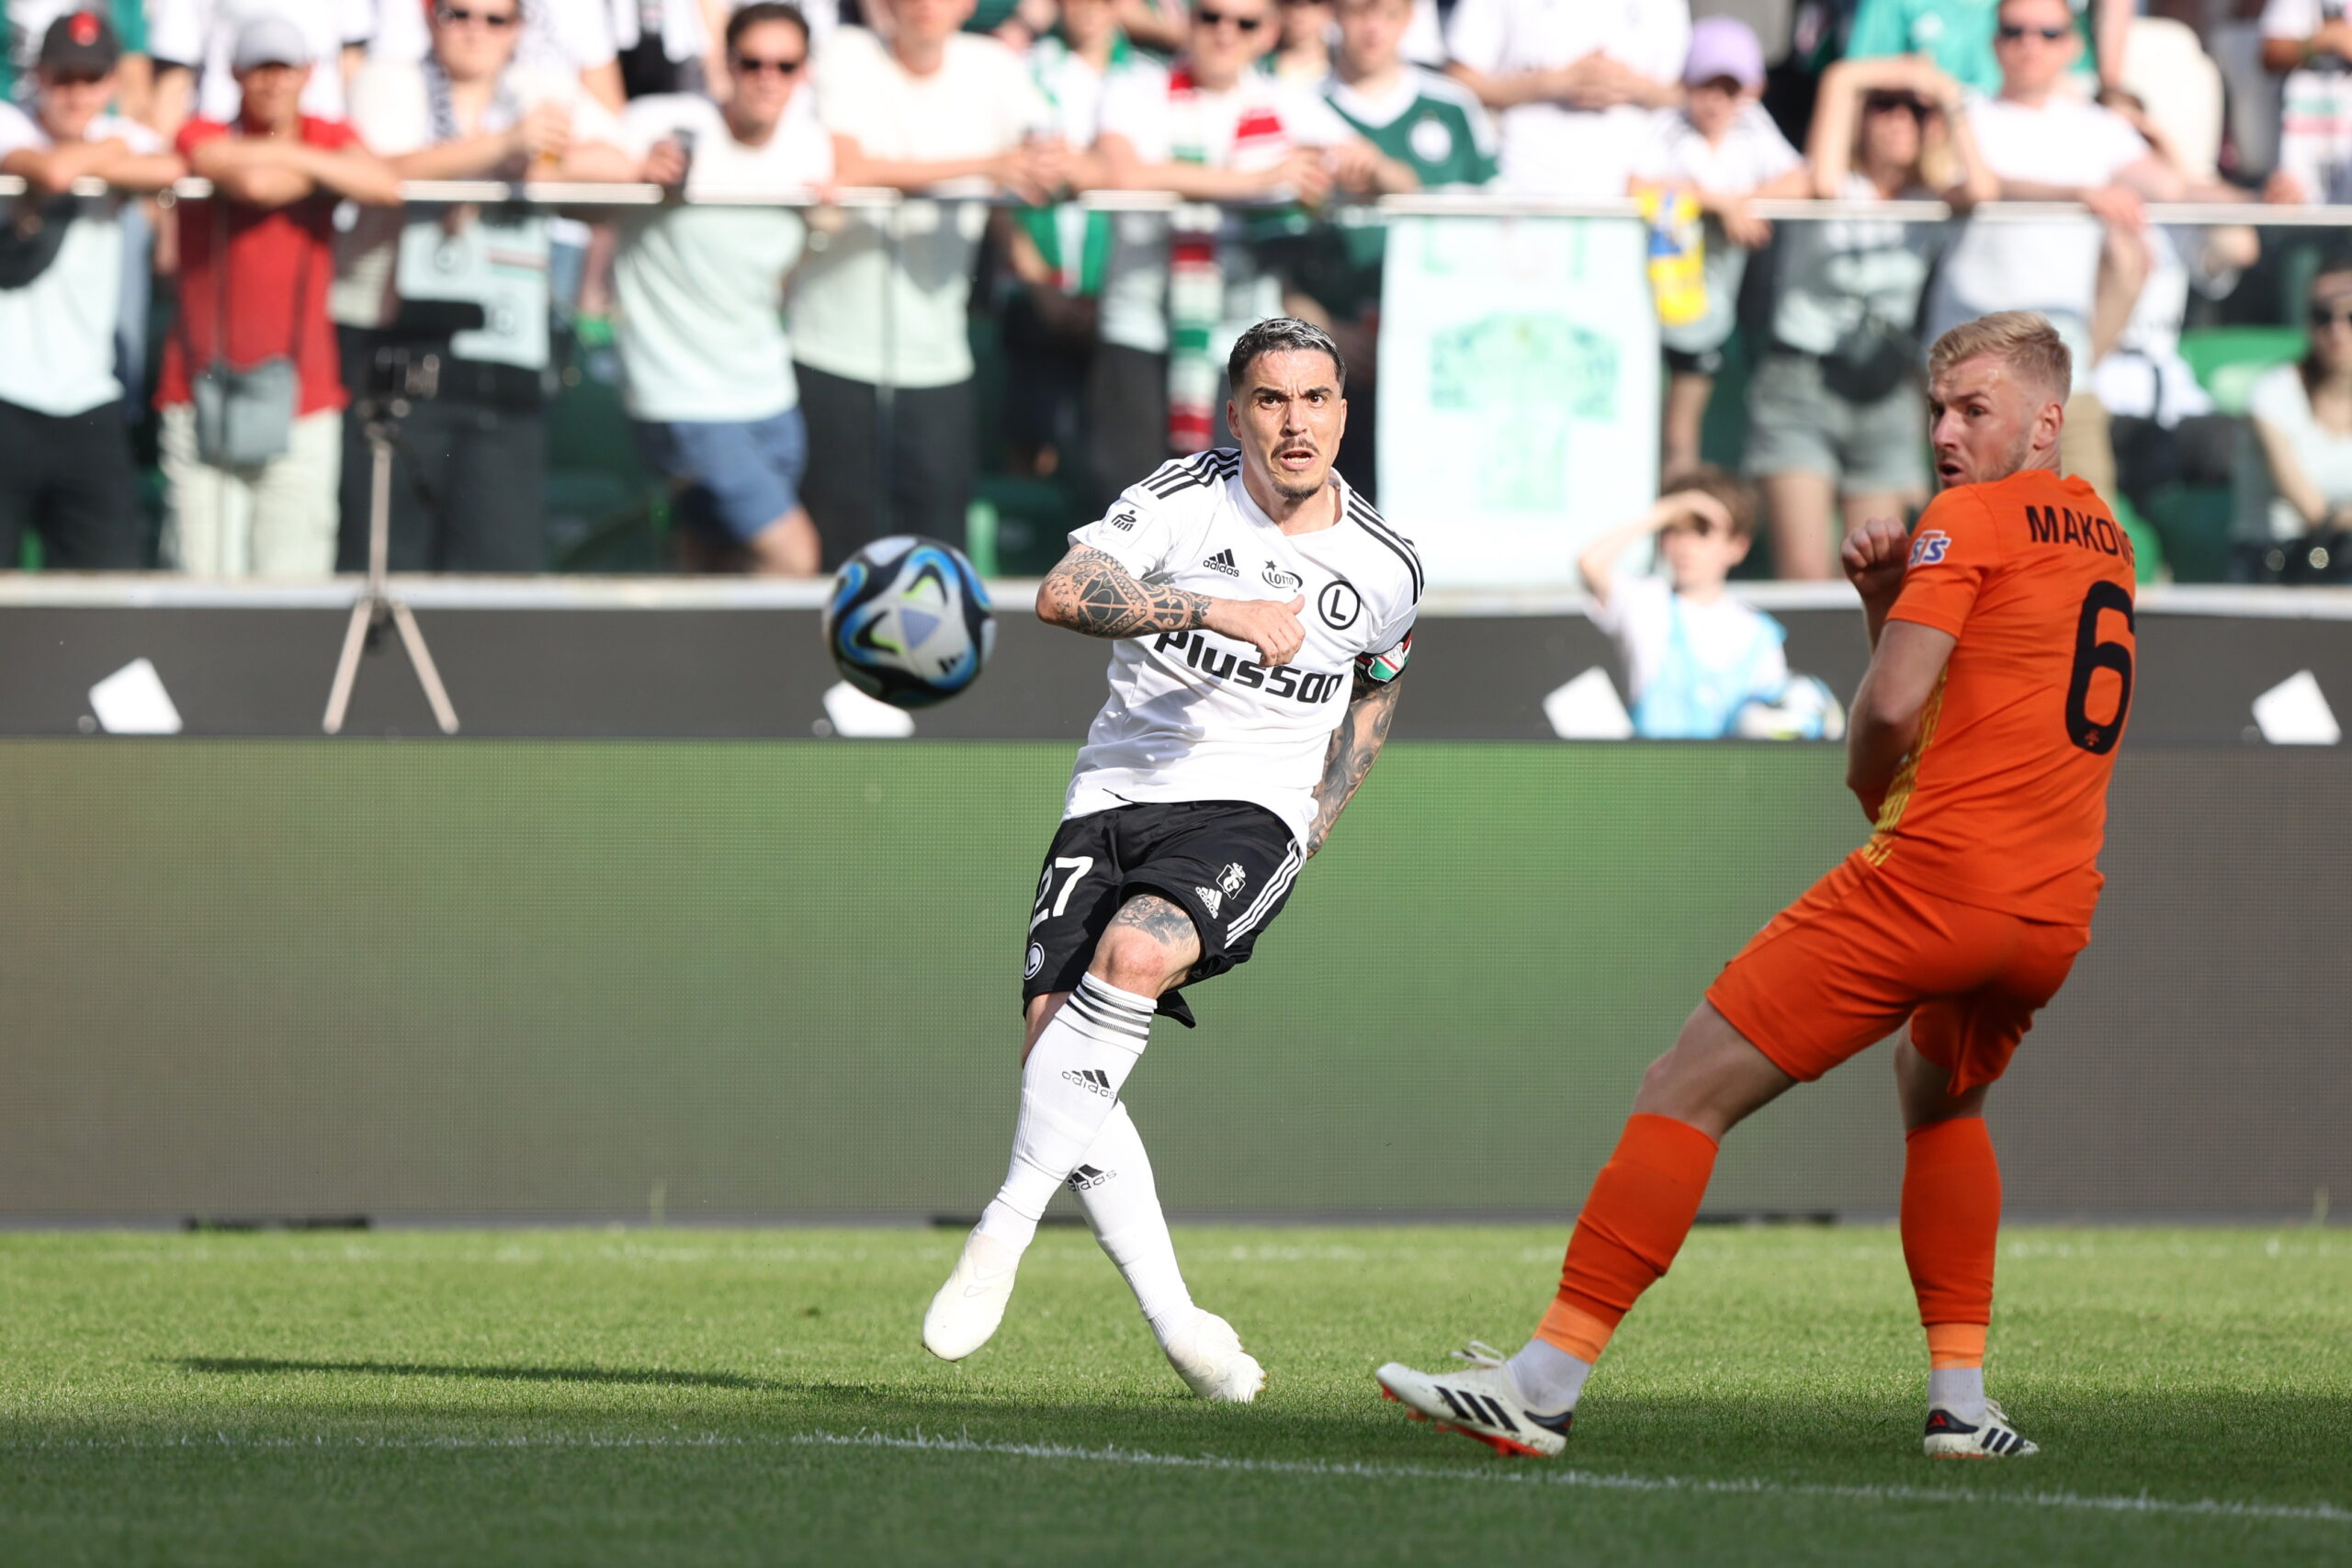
<point>623,1375</point>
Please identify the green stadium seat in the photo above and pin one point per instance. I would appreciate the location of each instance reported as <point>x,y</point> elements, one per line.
<point>2147,544</point>
<point>2229,360</point>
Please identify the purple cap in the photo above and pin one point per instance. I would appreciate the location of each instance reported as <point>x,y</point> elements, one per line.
<point>1724,46</point>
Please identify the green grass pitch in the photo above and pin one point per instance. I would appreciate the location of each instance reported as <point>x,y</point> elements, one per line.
<point>647,1396</point>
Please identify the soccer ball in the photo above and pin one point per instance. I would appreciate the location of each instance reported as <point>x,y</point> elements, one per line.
<point>908,621</point>
<point>1804,709</point>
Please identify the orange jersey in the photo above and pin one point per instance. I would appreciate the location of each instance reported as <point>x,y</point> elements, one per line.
<point>2002,802</point>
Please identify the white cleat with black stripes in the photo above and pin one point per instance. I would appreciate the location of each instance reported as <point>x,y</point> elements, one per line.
<point>1992,1438</point>
<point>1480,1403</point>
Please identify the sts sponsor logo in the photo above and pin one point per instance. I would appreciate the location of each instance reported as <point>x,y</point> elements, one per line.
<point>1930,548</point>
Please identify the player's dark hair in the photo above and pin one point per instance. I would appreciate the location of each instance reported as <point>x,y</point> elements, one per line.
<point>1738,497</point>
<point>1279,334</point>
<point>761,11</point>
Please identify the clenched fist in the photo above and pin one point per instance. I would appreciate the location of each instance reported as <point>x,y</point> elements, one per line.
<point>1271,628</point>
<point>1874,555</point>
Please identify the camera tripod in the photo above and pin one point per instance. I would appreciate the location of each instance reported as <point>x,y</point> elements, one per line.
<point>377,603</point>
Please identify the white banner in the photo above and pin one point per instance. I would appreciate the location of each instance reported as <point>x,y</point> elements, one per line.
<point>1519,392</point>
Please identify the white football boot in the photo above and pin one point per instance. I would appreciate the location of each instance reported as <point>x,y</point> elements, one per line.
<point>1992,1438</point>
<point>965,1312</point>
<point>1208,1356</point>
<point>1480,1402</point>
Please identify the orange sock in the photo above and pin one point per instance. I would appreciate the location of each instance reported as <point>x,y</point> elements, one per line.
<point>1641,1207</point>
<point>1951,1224</point>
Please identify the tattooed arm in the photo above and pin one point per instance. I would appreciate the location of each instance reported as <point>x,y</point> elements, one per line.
<point>1089,592</point>
<point>1355,745</point>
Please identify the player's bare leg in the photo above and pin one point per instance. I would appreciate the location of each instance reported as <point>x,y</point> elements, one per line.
<point>1641,1207</point>
<point>1951,1222</point>
<point>1082,1045</point>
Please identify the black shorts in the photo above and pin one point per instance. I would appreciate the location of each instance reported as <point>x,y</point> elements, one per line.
<point>1227,863</point>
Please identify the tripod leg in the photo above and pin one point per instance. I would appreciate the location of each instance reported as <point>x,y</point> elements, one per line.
<point>426,675</point>
<point>346,670</point>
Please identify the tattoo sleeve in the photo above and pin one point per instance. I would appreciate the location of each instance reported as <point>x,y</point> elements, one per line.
<point>1089,592</point>
<point>1355,745</point>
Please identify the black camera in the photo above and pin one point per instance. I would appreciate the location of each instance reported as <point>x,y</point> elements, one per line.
<point>412,350</point>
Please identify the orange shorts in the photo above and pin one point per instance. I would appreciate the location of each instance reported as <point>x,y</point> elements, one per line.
<point>1842,967</point>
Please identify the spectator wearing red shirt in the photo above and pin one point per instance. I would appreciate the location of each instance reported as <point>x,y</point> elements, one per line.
<point>254,492</point>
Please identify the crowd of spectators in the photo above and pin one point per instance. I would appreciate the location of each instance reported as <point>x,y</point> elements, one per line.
<point>803,376</point>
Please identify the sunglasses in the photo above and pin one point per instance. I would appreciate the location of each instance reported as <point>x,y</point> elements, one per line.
<point>2010,32</point>
<point>754,65</point>
<point>1213,19</point>
<point>458,16</point>
<point>2325,316</point>
<point>1888,103</point>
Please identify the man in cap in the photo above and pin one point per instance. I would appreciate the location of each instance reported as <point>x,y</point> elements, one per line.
<point>66,464</point>
<point>256,262</point>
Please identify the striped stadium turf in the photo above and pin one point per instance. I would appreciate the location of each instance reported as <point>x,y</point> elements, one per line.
<point>654,1396</point>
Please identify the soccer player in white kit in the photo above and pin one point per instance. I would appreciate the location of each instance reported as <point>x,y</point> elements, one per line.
<point>1261,613</point>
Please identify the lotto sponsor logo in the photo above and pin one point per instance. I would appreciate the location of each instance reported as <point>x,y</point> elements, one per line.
<point>1222,562</point>
<point>1213,898</point>
<point>1287,582</point>
<point>1930,548</point>
<point>1309,686</point>
<point>1092,1079</point>
<point>2065,526</point>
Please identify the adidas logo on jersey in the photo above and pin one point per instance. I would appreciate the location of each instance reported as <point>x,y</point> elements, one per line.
<point>1087,1177</point>
<point>1213,898</point>
<point>1222,562</point>
<point>1092,1079</point>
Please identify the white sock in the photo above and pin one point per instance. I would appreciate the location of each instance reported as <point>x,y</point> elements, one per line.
<point>1958,1390</point>
<point>1549,1379</point>
<point>1114,1187</point>
<point>1069,1087</point>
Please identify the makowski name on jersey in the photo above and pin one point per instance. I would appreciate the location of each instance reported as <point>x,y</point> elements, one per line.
<point>1193,716</point>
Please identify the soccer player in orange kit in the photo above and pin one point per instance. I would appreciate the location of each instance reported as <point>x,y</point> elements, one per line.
<point>1981,740</point>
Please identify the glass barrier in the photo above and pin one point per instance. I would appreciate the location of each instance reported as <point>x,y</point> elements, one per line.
<point>558,383</point>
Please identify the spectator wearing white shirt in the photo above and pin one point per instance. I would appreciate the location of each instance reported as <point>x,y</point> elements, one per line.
<point>192,42</point>
<point>2303,421</point>
<point>1210,129</point>
<point>574,37</point>
<point>1572,83</point>
<point>2045,144</point>
<point>466,492</point>
<point>707,366</point>
<point>66,470</point>
<point>1721,149</point>
<point>2310,42</point>
<point>934,111</point>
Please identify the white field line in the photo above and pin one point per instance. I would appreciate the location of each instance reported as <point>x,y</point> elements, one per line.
<point>1514,1474</point>
<point>1533,1474</point>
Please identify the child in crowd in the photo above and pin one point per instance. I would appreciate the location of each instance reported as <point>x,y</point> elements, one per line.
<point>1721,149</point>
<point>1694,654</point>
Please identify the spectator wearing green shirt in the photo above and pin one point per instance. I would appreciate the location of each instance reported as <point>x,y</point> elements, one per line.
<point>1957,34</point>
<point>1425,121</point>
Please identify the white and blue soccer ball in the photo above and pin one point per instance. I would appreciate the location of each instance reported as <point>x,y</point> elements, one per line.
<point>1803,709</point>
<point>908,621</point>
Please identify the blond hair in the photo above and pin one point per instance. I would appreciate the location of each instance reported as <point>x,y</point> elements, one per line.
<point>2025,342</point>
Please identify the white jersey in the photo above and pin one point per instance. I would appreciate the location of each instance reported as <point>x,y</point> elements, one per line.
<point>1193,716</point>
